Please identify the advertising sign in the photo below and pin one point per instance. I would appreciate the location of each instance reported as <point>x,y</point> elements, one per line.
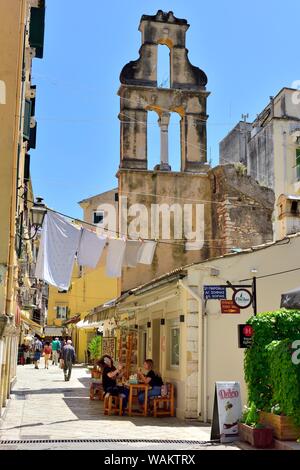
<point>227,411</point>
<point>242,298</point>
<point>228,306</point>
<point>245,333</point>
<point>214,292</point>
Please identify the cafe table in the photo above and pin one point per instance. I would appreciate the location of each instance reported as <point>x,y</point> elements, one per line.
<point>139,387</point>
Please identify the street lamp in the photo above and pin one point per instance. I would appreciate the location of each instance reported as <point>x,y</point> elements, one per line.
<point>38,212</point>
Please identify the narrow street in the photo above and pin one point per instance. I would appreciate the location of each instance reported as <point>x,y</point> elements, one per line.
<point>48,412</point>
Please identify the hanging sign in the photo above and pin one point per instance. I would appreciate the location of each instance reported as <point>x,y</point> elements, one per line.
<point>242,298</point>
<point>245,333</point>
<point>214,292</point>
<point>228,306</point>
<point>227,411</point>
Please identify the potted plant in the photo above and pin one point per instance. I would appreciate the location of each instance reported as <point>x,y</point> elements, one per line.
<point>94,347</point>
<point>283,426</point>
<point>254,432</point>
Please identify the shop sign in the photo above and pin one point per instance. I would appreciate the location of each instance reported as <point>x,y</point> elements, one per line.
<point>227,411</point>
<point>245,333</point>
<point>214,292</point>
<point>242,298</point>
<point>228,306</point>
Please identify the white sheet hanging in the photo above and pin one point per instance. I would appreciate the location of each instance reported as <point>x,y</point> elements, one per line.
<point>58,245</point>
<point>132,253</point>
<point>90,248</point>
<point>115,256</point>
<point>147,252</point>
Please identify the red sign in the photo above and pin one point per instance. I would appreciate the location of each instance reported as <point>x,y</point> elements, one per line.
<point>228,306</point>
<point>248,330</point>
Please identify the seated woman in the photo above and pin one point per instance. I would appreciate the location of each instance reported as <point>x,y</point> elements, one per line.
<point>152,379</point>
<point>109,378</point>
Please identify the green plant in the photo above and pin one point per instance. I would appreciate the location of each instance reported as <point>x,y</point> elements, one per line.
<point>273,380</point>
<point>251,417</point>
<point>95,347</point>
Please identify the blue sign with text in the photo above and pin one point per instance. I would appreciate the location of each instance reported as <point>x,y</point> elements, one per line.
<point>214,292</point>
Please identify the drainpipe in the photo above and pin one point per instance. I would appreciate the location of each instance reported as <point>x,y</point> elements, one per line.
<point>202,335</point>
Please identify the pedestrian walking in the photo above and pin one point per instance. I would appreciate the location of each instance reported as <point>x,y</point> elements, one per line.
<point>69,356</point>
<point>47,353</point>
<point>63,343</point>
<point>37,348</point>
<point>55,345</point>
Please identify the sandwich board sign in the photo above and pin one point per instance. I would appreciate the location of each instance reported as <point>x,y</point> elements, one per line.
<point>227,411</point>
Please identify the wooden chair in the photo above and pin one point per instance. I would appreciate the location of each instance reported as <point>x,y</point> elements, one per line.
<point>168,403</point>
<point>96,388</point>
<point>112,404</point>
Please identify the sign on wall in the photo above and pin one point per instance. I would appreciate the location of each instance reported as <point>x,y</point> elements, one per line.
<point>242,298</point>
<point>214,292</point>
<point>228,306</point>
<point>245,335</point>
<point>227,411</point>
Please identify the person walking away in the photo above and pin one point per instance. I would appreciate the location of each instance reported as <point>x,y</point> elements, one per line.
<point>68,354</point>
<point>63,343</point>
<point>55,345</point>
<point>37,348</point>
<point>152,379</point>
<point>47,353</point>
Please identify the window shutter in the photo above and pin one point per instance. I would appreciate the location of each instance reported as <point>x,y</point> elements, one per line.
<point>37,29</point>
<point>27,116</point>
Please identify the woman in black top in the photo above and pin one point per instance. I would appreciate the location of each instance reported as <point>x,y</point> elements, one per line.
<point>109,378</point>
<point>152,379</point>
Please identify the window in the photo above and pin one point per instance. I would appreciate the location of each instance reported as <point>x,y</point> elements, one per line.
<point>294,207</point>
<point>298,163</point>
<point>61,312</point>
<point>98,217</point>
<point>174,346</point>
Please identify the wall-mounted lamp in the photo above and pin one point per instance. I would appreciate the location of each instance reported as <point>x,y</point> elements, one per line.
<point>38,212</point>
<point>148,324</point>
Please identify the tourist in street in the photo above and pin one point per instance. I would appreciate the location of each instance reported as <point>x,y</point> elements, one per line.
<point>37,348</point>
<point>47,353</point>
<point>150,378</point>
<point>55,345</point>
<point>69,356</point>
<point>109,379</point>
<point>63,343</point>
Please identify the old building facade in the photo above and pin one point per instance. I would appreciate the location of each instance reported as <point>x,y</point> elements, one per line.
<point>21,39</point>
<point>270,149</point>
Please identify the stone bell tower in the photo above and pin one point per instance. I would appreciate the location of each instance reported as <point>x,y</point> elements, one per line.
<point>186,96</point>
<point>142,186</point>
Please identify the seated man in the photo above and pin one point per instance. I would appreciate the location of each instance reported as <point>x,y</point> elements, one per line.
<point>152,379</point>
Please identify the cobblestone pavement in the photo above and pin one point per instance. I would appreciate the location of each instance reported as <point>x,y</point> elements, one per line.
<point>44,407</point>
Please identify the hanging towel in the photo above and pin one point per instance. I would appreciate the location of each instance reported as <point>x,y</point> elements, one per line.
<point>115,256</point>
<point>90,248</point>
<point>147,252</point>
<point>59,243</point>
<point>132,253</point>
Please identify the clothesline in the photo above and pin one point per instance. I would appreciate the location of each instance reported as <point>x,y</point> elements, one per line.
<point>61,242</point>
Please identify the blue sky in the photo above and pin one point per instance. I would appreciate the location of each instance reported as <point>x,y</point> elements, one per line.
<point>249,51</point>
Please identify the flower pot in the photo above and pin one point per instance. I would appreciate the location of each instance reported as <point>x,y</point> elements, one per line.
<point>283,427</point>
<point>260,438</point>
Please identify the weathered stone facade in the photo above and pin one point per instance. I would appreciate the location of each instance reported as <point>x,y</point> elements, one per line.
<point>236,210</point>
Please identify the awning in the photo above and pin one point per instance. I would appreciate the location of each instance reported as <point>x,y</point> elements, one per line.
<point>291,299</point>
<point>92,325</point>
<point>74,319</point>
<point>38,329</point>
<point>53,331</point>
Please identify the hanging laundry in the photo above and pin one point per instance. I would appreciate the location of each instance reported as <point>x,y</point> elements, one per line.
<point>90,248</point>
<point>58,245</point>
<point>115,256</point>
<point>132,253</point>
<point>147,252</point>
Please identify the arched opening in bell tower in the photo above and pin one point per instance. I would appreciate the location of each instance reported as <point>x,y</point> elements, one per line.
<point>163,66</point>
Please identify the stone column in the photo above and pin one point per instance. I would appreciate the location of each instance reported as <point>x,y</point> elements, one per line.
<point>163,123</point>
